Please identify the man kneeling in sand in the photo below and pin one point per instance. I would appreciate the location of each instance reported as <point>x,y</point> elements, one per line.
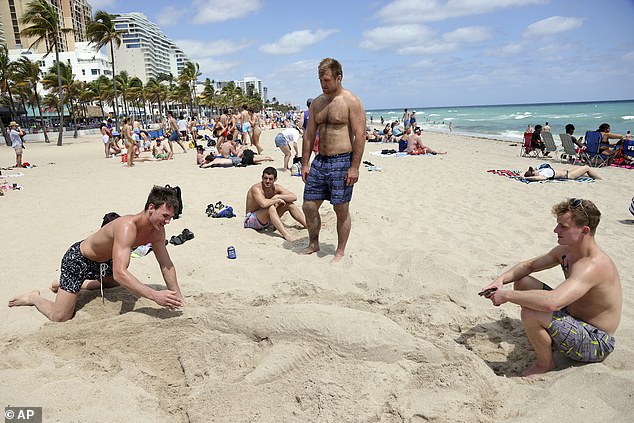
<point>415,144</point>
<point>267,202</point>
<point>580,316</point>
<point>106,253</point>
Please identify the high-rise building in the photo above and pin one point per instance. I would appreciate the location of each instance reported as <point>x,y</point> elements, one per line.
<point>145,52</point>
<point>247,81</point>
<point>73,14</point>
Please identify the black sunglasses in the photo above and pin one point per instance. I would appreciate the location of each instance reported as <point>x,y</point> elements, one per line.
<point>575,203</point>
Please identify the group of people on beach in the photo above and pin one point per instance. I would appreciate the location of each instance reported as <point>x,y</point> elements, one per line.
<point>579,317</point>
<point>606,146</point>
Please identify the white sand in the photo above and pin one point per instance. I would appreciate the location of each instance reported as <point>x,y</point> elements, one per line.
<point>396,332</point>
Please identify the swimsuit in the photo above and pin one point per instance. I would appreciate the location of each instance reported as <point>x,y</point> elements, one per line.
<point>246,127</point>
<point>251,221</point>
<point>76,268</point>
<point>327,179</point>
<point>578,340</point>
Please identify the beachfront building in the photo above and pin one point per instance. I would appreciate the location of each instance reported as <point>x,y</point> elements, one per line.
<point>74,14</point>
<point>87,64</point>
<point>146,52</point>
<point>257,84</point>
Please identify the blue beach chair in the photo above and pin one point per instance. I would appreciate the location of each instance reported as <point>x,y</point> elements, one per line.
<point>592,155</point>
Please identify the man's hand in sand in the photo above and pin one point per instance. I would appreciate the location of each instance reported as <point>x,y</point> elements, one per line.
<point>168,299</point>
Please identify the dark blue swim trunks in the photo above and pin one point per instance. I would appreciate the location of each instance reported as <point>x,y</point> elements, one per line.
<point>327,179</point>
<point>76,269</point>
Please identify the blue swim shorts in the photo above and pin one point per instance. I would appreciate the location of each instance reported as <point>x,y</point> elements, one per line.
<point>251,221</point>
<point>174,136</point>
<point>327,179</point>
<point>246,127</point>
<point>76,268</point>
<point>280,140</point>
<point>578,340</point>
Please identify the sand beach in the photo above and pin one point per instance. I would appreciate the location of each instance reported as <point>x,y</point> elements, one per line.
<point>394,333</point>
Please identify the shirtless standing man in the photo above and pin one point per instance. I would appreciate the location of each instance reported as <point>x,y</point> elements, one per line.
<point>267,202</point>
<point>339,117</point>
<point>245,121</point>
<point>580,316</point>
<point>107,253</point>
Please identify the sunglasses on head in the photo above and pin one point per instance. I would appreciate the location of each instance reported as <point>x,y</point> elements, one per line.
<point>575,203</point>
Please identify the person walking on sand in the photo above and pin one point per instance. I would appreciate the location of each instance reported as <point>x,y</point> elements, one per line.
<point>339,117</point>
<point>267,202</point>
<point>580,316</point>
<point>106,255</point>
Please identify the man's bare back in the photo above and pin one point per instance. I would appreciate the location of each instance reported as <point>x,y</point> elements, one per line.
<point>601,305</point>
<point>98,247</point>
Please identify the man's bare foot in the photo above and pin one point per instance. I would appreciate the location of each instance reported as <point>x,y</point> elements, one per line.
<point>337,258</point>
<point>23,300</point>
<point>536,370</point>
<point>310,249</point>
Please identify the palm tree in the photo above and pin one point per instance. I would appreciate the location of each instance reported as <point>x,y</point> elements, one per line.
<point>99,90</point>
<point>45,28</point>
<point>29,72</point>
<point>123,80</point>
<point>101,31</point>
<point>68,86</point>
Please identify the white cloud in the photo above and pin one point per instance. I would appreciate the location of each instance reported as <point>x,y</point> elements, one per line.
<point>512,49</point>
<point>210,11</point>
<point>296,41</point>
<point>170,16</point>
<point>393,37</point>
<point>101,4</point>
<point>469,34</point>
<point>196,49</point>
<point>553,25</point>
<point>629,57</point>
<point>438,10</point>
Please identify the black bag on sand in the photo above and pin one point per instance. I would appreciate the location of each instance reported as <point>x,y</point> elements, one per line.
<point>247,157</point>
<point>177,190</point>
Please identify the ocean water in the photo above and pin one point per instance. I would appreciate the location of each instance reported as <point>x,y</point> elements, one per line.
<point>508,122</point>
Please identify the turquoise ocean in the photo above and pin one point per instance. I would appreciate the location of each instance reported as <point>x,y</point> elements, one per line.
<point>508,122</point>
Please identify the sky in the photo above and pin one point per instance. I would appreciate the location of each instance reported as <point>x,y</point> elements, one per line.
<point>409,53</point>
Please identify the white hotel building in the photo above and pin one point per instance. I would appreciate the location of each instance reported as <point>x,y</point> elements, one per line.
<point>145,51</point>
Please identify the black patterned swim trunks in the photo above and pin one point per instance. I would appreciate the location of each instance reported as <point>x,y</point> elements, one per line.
<point>76,268</point>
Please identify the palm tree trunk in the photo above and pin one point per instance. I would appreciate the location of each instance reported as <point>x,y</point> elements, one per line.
<point>5,134</point>
<point>39,109</point>
<point>74,116</point>
<point>61,97</point>
<point>114,85</point>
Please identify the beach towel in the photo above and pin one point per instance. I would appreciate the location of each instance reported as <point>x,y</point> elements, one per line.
<point>397,154</point>
<point>632,207</point>
<point>519,176</point>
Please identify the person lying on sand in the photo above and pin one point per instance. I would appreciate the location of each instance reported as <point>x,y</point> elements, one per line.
<point>106,254</point>
<point>580,316</point>
<point>546,172</point>
<point>213,161</point>
<point>267,202</point>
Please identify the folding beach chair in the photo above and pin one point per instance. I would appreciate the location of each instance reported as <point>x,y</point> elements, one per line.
<point>527,150</point>
<point>570,149</point>
<point>547,137</point>
<point>591,155</point>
